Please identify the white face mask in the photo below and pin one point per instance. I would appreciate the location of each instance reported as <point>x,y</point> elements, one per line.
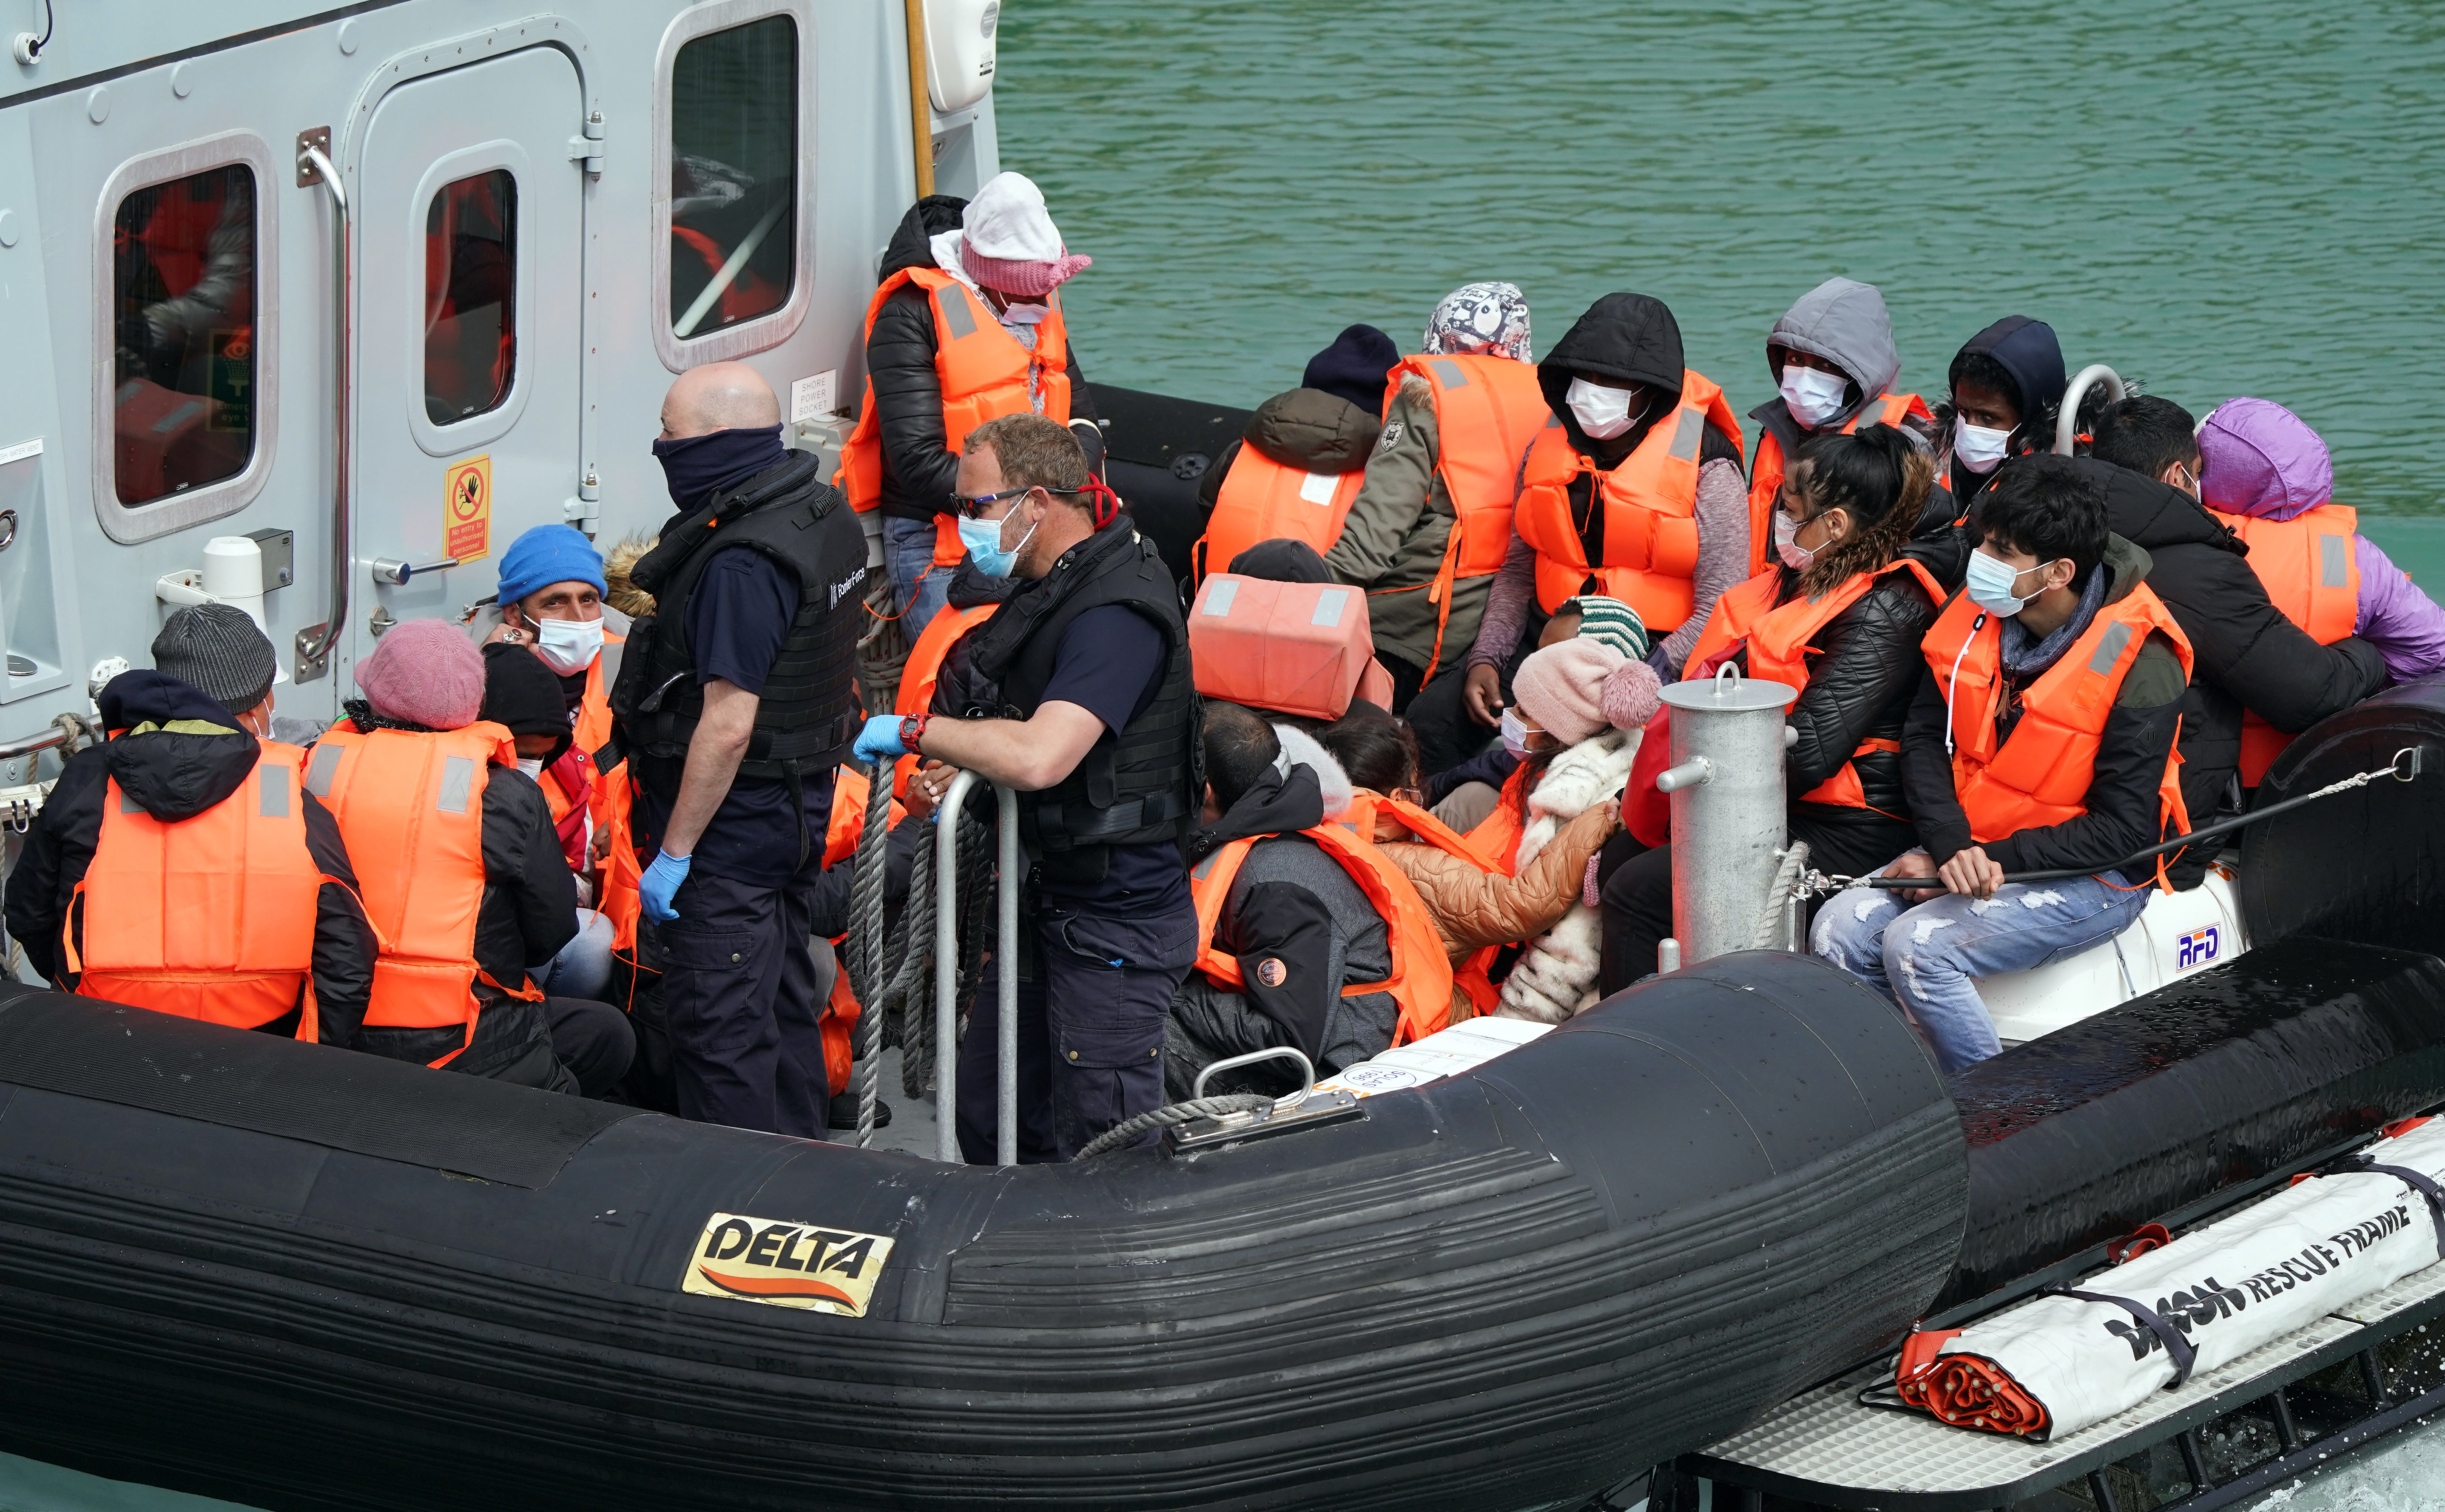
<point>1020,312</point>
<point>569,646</point>
<point>1979,448</point>
<point>531,766</point>
<point>1604,412</point>
<point>1990,582</point>
<point>1813,397</point>
<point>1514,733</point>
<point>1786,544</point>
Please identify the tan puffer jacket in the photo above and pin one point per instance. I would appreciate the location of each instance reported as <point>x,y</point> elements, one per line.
<point>1474,908</point>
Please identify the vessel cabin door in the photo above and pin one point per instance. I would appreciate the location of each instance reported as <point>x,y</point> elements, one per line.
<point>470,306</point>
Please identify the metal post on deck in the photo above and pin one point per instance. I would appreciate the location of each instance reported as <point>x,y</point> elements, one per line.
<point>947,975</point>
<point>1727,809</point>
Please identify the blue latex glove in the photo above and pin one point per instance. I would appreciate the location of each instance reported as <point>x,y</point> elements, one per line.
<point>880,739</point>
<point>661,883</point>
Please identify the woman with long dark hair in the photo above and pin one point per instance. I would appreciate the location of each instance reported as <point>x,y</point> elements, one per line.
<point>1840,616</point>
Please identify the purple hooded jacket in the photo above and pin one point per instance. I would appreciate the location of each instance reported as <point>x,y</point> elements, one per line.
<point>2261,459</point>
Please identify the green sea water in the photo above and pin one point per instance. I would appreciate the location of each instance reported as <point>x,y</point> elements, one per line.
<point>2217,198</point>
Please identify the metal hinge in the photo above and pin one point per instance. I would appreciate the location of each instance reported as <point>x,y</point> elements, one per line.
<point>587,147</point>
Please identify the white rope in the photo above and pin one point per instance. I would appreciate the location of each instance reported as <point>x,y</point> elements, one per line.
<point>1788,882</point>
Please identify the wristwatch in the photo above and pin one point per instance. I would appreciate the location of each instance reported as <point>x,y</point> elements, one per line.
<point>912,729</point>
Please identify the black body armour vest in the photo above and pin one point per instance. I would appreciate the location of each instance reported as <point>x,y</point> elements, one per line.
<point>1143,786</point>
<point>805,717</point>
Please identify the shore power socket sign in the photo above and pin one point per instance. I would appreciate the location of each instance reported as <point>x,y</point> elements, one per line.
<point>786,1264</point>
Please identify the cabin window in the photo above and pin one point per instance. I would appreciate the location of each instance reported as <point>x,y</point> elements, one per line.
<point>183,295</point>
<point>471,264</point>
<point>734,176</point>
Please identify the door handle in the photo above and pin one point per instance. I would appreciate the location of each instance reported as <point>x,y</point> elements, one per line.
<point>392,570</point>
<point>314,166</point>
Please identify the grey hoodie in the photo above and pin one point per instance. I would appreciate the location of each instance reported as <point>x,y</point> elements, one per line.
<point>1845,322</point>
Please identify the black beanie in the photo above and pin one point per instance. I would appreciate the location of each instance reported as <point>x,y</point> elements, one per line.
<point>523,696</point>
<point>1353,367</point>
<point>1286,560</point>
<point>215,648</point>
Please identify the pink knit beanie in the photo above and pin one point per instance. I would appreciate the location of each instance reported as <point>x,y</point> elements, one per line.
<point>424,672</point>
<point>1561,688</point>
<point>1008,241</point>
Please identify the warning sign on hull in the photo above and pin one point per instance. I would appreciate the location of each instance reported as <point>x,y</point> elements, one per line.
<point>786,1263</point>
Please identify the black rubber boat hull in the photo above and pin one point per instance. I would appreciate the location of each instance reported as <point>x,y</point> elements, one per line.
<point>301,1278</point>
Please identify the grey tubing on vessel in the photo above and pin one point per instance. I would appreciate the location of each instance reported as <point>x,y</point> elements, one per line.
<point>348,1282</point>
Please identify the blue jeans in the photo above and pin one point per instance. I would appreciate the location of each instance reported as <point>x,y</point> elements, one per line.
<point>916,586</point>
<point>583,968</point>
<point>1925,958</point>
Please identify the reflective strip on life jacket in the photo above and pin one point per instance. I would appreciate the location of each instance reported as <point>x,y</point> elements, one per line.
<point>1487,409</point>
<point>2041,775</point>
<point>1766,469</point>
<point>1777,637</point>
<point>211,917</point>
<point>410,807</point>
<point>2312,577</point>
<point>1265,500</point>
<point>1648,502</point>
<point>982,370</point>
<point>1421,982</point>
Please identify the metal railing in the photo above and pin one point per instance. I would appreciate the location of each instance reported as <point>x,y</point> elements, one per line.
<point>946,973</point>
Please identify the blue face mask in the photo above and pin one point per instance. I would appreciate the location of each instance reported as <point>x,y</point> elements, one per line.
<point>983,540</point>
<point>1989,582</point>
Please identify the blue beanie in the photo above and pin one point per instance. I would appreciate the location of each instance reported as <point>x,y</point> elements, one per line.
<point>549,554</point>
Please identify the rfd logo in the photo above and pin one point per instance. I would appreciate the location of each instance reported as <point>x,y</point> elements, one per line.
<point>2196,948</point>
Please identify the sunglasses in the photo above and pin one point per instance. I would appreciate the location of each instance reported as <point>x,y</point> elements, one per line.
<point>972,505</point>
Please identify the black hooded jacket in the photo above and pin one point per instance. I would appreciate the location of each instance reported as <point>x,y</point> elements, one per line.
<point>919,467</point>
<point>2122,803</point>
<point>2244,652</point>
<point>2027,350</point>
<point>1634,338</point>
<point>175,775</point>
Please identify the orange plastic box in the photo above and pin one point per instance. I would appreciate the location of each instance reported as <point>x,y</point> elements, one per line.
<point>1293,647</point>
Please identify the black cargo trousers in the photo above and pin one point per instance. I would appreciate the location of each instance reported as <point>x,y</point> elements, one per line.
<point>1093,992</point>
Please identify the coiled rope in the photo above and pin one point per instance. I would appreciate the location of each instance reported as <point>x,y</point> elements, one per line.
<point>892,972</point>
<point>1136,1129</point>
<point>1787,881</point>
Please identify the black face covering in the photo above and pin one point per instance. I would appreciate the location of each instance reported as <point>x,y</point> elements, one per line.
<point>698,467</point>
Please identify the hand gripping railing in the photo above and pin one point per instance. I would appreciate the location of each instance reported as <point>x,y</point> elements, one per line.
<point>890,977</point>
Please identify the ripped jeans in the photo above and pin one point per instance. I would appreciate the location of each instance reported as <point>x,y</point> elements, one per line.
<point>1925,959</point>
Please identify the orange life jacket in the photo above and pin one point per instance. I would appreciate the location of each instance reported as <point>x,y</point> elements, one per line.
<point>1778,636</point>
<point>923,670</point>
<point>2041,775</point>
<point>1650,503</point>
<point>1470,976</point>
<point>1496,837</point>
<point>985,374</point>
<point>2313,577</point>
<point>410,807</point>
<point>1487,409</point>
<point>1421,981</point>
<point>607,807</point>
<point>208,918</point>
<point>1264,500</point>
<point>1766,469</point>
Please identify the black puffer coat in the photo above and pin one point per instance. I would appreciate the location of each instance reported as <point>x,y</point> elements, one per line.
<point>2244,652</point>
<point>1860,683</point>
<point>919,467</point>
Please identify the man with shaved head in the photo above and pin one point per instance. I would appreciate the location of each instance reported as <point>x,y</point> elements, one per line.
<point>736,703</point>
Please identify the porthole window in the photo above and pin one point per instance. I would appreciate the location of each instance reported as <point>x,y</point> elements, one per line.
<point>471,265</point>
<point>733,164</point>
<point>183,297</point>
